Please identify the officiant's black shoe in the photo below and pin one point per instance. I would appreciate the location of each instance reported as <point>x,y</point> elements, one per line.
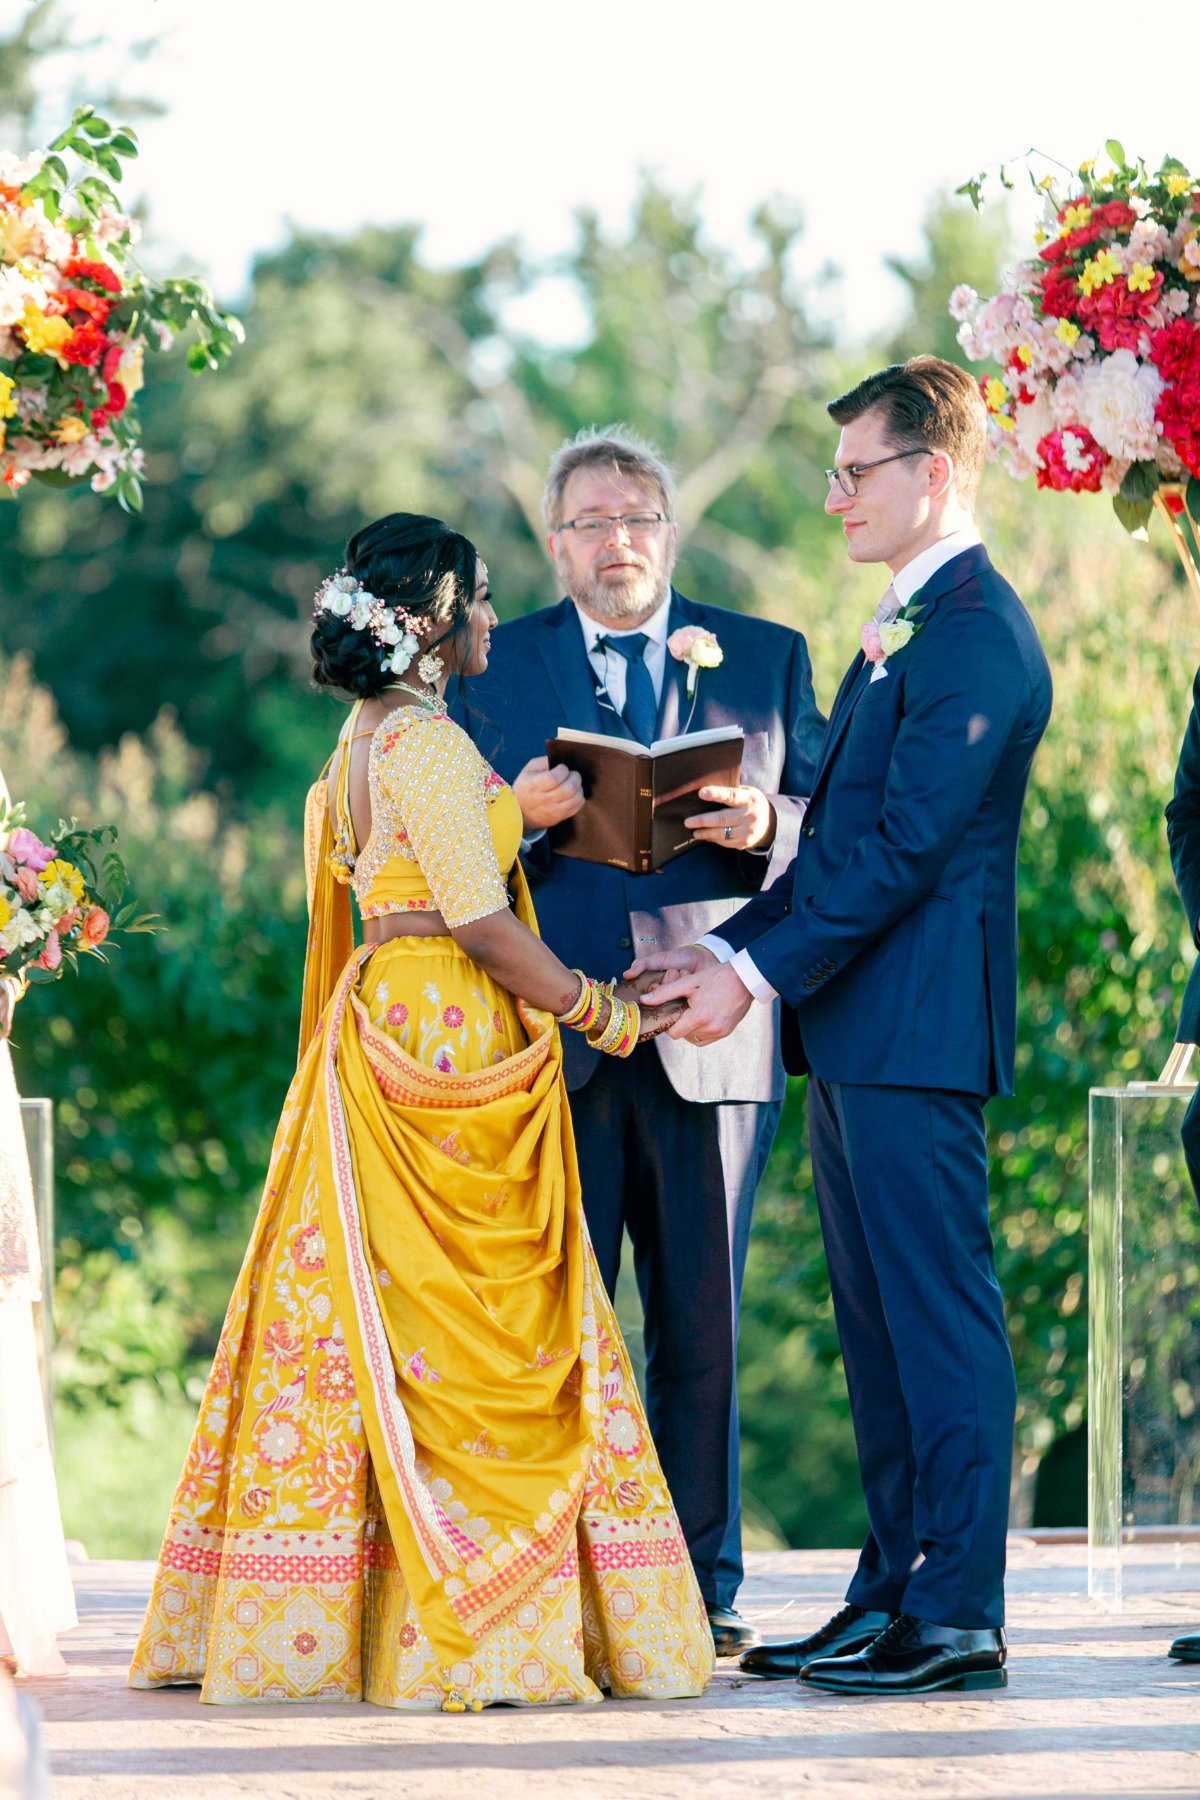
<point>1186,1649</point>
<point>848,1632</point>
<point>911,1657</point>
<point>731,1634</point>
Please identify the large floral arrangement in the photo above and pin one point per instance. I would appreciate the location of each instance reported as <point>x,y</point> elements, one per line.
<point>77,317</point>
<point>58,900</point>
<point>1096,339</point>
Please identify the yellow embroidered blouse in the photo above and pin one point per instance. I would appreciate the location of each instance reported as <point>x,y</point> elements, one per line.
<point>445,828</point>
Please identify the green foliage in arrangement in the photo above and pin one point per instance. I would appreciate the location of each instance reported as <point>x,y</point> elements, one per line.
<point>175,649</point>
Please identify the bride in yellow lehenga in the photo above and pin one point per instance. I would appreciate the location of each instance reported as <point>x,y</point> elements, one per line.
<point>422,1474</point>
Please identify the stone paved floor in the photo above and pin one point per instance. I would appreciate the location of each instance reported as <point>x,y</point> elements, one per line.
<point>1093,1709</point>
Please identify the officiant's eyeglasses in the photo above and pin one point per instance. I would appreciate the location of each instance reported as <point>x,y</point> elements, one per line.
<point>639,524</point>
<point>847,477</point>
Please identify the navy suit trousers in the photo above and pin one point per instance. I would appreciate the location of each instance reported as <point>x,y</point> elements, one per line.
<point>680,1175</point>
<point>901,1182</point>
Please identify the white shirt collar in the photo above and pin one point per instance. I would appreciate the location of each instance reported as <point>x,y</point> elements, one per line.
<point>915,574</point>
<point>655,627</point>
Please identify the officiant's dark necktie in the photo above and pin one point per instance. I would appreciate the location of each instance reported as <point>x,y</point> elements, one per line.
<point>640,711</point>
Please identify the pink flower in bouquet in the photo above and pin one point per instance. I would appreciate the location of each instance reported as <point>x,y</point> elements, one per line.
<point>872,644</point>
<point>51,955</point>
<point>25,848</point>
<point>68,922</point>
<point>26,883</point>
<point>95,926</point>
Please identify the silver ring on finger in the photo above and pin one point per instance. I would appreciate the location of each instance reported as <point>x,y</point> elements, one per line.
<point>728,833</point>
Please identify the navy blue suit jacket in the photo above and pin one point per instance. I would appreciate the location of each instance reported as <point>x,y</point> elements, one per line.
<point>597,918</point>
<point>894,943</point>
<point>1183,837</point>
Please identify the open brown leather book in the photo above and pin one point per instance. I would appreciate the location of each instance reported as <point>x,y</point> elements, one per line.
<point>638,795</point>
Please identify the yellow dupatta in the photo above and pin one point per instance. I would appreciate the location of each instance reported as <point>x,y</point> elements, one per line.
<point>330,922</point>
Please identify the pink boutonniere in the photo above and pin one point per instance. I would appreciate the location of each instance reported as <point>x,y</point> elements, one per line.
<point>697,648</point>
<point>879,641</point>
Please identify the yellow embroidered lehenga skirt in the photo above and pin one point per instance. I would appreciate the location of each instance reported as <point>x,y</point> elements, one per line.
<point>421,1473</point>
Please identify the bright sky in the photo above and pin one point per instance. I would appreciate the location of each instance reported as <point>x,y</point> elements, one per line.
<point>482,120</point>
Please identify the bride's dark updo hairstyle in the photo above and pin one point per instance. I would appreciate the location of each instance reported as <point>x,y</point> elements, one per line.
<point>405,559</point>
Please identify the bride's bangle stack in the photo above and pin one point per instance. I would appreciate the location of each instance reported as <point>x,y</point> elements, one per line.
<point>620,1035</point>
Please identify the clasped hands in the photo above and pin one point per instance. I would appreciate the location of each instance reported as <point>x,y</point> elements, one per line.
<point>714,995</point>
<point>744,819</point>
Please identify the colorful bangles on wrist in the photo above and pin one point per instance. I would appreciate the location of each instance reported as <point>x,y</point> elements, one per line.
<point>619,1035</point>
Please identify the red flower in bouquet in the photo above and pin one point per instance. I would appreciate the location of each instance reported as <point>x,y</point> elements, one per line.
<point>1060,296</point>
<point>1094,338</point>
<point>86,345</point>
<point>79,317</point>
<point>1117,313</point>
<point>82,268</point>
<point>1072,461</point>
<point>1175,352</point>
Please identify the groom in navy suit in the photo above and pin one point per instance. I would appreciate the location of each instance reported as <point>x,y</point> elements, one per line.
<point>673,1141</point>
<point>892,945</point>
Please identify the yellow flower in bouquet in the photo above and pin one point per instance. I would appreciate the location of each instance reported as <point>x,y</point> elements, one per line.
<point>44,336</point>
<point>62,873</point>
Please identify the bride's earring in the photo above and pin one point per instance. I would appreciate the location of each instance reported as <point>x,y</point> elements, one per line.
<point>430,668</point>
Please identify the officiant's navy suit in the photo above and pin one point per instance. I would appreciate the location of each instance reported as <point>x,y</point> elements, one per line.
<point>671,1142</point>
<point>893,948</point>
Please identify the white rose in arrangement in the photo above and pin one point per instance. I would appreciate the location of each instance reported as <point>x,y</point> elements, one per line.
<point>1117,398</point>
<point>389,632</point>
<point>359,614</point>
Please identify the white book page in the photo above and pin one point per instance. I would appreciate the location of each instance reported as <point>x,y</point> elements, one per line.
<point>599,737</point>
<point>719,734</point>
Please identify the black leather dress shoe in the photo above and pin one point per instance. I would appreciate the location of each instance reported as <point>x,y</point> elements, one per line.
<point>848,1632</point>
<point>911,1657</point>
<point>731,1633</point>
<point>1186,1649</point>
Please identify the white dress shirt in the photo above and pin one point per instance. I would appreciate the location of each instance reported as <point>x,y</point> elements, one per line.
<point>904,585</point>
<point>611,669</point>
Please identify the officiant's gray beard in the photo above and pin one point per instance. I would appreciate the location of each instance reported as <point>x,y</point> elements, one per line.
<point>621,602</point>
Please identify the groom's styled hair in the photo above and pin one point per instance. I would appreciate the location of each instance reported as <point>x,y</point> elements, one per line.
<point>925,404</point>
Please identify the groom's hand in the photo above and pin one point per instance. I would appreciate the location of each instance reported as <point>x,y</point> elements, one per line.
<point>717,1000</point>
<point>682,959</point>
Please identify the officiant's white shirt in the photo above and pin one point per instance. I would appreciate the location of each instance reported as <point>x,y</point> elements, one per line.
<point>904,585</point>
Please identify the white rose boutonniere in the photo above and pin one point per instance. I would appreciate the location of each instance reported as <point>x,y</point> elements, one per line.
<point>893,637</point>
<point>697,648</point>
<point>882,639</point>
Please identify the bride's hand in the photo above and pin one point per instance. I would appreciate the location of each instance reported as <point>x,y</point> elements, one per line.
<point>655,1019</point>
<point>6,1009</point>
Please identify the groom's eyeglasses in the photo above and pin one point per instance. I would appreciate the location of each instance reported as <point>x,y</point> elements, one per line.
<point>847,476</point>
<point>640,524</point>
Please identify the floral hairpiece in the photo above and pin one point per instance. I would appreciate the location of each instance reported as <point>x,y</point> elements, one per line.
<point>394,628</point>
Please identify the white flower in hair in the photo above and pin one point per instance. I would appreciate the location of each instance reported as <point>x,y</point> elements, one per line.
<point>360,611</point>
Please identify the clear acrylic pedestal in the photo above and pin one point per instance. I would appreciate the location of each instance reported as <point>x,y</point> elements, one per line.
<point>37,1116</point>
<point>1143,1328</point>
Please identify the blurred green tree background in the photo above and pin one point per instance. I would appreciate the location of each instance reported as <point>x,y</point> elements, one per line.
<point>153,672</point>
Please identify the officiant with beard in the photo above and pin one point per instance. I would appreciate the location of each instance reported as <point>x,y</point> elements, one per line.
<point>671,1142</point>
